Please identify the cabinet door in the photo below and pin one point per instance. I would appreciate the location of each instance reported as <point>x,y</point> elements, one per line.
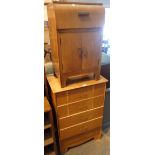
<point>91,46</point>
<point>71,52</point>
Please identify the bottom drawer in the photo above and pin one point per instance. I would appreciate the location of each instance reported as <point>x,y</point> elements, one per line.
<point>80,139</point>
<point>81,128</point>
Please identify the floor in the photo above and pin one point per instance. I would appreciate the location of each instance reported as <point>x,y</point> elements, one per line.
<point>93,147</point>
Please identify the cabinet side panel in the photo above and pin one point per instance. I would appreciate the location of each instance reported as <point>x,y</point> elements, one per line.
<point>53,38</point>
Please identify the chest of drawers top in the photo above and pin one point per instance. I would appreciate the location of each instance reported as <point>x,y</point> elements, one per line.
<point>79,83</point>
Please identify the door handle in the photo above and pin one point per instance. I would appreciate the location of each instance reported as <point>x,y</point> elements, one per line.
<point>85,53</point>
<point>80,52</point>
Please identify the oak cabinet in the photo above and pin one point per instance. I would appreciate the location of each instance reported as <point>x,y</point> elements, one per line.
<point>76,39</point>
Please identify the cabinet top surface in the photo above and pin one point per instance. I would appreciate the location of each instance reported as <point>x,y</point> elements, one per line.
<point>47,106</point>
<point>56,87</point>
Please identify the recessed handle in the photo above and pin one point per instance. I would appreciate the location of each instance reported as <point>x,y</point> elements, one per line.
<point>83,13</point>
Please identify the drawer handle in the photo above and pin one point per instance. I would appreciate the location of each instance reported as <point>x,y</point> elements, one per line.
<point>83,13</point>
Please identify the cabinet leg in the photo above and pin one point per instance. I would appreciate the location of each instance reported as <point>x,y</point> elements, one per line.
<point>63,82</point>
<point>99,136</point>
<point>55,74</point>
<point>97,76</point>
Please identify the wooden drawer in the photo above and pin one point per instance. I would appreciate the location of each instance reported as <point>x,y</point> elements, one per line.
<point>81,117</point>
<point>80,106</point>
<point>80,93</point>
<point>99,89</point>
<point>79,16</point>
<point>62,111</point>
<point>79,129</point>
<point>61,98</point>
<point>76,107</point>
<point>98,101</point>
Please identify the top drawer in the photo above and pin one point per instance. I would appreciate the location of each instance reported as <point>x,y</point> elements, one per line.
<point>79,16</point>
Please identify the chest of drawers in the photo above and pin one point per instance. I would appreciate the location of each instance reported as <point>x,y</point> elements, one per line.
<point>79,109</point>
<point>76,38</point>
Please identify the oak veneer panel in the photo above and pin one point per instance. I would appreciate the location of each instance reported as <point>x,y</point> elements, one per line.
<point>98,101</point>
<point>80,93</point>
<point>62,111</point>
<point>61,98</point>
<point>81,117</point>
<point>99,89</point>
<point>69,52</point>
<point>82,105</point>
<point>91,47</point>
<point>53,38</point>
<point>79,129</point>
<point>76,107</point>
<point>67,16</point>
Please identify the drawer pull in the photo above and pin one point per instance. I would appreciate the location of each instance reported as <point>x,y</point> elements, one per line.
<point>83,13</point>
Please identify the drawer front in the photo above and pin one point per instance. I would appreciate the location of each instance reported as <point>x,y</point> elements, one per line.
<point>79,129</point>
<point>62,111</point>
<point>80,93</point>
<point>79,16</point>
<point>80,106</point>
<point>99,89</point>
<point>61,98</point>
<point>82,117</point>
<point>98,101</point>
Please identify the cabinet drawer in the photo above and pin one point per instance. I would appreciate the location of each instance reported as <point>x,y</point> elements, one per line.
<point>99,89</point>
<point>98,101</point>
<point>79,129</point>
<point>61,98</point>
<point>80,106</point>
<point>80,93</point>
<point>79,16</point>
<point>79,118</point>
<point>62,111</point>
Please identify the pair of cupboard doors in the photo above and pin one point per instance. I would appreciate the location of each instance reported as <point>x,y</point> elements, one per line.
<point>76,33</point>
<point>80,51</point>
